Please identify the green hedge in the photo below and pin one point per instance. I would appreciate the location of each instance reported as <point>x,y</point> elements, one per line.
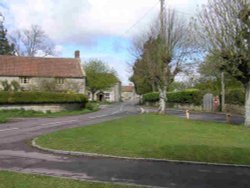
<point>235,96</point>
<point>40,98</point>
<point>151,97</point>
<point>190,96</point>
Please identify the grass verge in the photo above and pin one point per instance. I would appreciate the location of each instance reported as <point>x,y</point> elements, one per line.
<point>155,136</point>
<point>17,180</point>
<point>6,115</point>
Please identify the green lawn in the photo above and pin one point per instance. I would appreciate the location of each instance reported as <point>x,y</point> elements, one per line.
<point>155,136</point>
<point>16,180</point>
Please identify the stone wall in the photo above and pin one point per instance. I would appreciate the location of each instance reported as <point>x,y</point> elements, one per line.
<point>44,107</point>
<point>236,109</point>
<point>71,84</point>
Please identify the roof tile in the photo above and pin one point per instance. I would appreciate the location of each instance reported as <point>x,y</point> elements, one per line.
<point>40,67</point>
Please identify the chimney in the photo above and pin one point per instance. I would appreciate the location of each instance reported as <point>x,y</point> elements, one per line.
<point>77,54</point>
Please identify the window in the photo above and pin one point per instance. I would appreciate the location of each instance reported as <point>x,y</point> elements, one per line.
<point>107,96</point>
<point>60,81</point>
<point>24,80</point>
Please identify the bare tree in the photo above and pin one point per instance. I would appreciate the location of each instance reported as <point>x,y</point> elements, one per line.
<point>165,50</point>
<point>33,42</point>
<point>223,28</point>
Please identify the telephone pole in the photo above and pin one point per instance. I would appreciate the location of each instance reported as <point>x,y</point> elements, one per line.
<point>162,17</point>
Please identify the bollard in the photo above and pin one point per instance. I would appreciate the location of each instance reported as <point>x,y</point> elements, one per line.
<point>187,114</point>
<point>228,117</point>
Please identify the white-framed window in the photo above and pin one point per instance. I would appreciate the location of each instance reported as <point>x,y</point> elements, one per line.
<point>24,80</point>
<point>60,81</point>
<point>107,96</point>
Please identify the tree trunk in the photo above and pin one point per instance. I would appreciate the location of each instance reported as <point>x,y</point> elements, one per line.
<point>163,100</point>
<point>153,87</point>
<point>222,92</point>
<point>247,106</point>
<point>93,95</point>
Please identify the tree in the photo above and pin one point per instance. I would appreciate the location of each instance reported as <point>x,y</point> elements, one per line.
<point>99,76</point>
<point>141,78</point>
<point>5,47</point>
<point>164,52</point>
<point>32,42</point>
<point>223,27</point>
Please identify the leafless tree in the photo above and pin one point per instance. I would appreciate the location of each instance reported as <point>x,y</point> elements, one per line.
<point>164,51</point>
<point>223,29</point>
<point>32,42</point>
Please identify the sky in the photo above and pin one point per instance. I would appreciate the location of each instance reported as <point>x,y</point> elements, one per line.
<point>100,29</point>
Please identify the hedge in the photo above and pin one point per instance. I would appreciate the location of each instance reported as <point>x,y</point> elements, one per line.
<point>191,96</point>
<point>41,98</point>
<point>235,96</point>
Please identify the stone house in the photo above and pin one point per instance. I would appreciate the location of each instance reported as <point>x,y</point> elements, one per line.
<point>128,92</point>
<point>35,73</point>
<point>111,95</point>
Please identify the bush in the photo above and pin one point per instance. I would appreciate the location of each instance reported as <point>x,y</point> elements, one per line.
<point>190,96</point>
<point>235,96</point>
<point>40,98</point>
<point>151,97</point>
<point>13,86</point>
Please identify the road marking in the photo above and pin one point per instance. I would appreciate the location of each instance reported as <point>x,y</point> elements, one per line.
<point>58,123</point>
<point>99,116</point>
<point>9,129</point>
<point>106,115</point>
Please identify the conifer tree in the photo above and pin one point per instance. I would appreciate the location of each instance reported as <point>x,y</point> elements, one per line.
<point>5,47</point>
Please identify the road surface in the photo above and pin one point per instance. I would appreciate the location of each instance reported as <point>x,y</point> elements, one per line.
<point>16,154</point>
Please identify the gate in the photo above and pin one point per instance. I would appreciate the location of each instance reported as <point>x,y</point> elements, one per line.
<point>208,102</point>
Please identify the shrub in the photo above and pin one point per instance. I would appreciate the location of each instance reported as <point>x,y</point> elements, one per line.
<point>190,96</point>
<point>15,86</point>
<point>235,96</point>
<point>40,98</point>
<point>6,86</point>
<point>151,97</point>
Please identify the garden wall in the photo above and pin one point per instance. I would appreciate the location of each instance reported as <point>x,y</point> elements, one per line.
<point>43,107</point>
<point>42,101</point>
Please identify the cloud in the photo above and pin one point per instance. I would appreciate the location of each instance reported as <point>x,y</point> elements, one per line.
<point>78,21</point>
<point>81,21</point>
<point>84,23</point>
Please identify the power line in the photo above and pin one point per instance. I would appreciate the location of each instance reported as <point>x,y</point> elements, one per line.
<point>139,20</point>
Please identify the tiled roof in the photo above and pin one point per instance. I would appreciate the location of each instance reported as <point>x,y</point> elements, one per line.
<point>40,67</point>
<point>127,88</point>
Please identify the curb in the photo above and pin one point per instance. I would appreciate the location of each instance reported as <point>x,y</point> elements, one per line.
<point>72,153</point>
<point>197,112</point>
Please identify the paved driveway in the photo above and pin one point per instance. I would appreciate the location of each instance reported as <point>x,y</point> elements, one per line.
<point>16,154</point>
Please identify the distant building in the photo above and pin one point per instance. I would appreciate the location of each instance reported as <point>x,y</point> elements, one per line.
<point>111,95</point>
<point>34,73</point>
<point>128,92</point>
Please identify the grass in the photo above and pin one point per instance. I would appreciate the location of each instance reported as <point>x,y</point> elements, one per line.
<point>6,115</point>
<point>155,136</point>
<point>17,180</point>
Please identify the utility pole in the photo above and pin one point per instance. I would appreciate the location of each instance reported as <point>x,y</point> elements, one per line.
<point>162,17</point>
<point>222,91</point>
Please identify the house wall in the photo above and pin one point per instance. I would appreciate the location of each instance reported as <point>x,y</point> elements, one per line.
<point>71,84</point>
<point>114,94</point>
<point>128,95</point>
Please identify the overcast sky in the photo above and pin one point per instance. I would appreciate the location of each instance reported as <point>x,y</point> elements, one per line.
<point>98,28</point>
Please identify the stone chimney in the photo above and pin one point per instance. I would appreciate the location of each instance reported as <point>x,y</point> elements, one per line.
<point>77,54</point>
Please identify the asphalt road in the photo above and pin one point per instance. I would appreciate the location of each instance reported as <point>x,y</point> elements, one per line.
<point>17,154</point>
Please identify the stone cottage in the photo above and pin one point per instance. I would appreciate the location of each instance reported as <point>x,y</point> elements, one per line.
<point>38,73</point>
<point>111,95</point>
<point>128,93</point>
